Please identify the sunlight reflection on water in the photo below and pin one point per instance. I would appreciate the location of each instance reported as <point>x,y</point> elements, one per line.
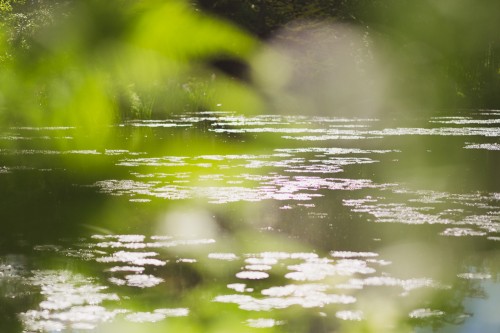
<point>425,313</point>
<point>70,300</point>
<point>466,211</point>
<point>263,322</point>
<point>298,170</point>
<point>311,275</point>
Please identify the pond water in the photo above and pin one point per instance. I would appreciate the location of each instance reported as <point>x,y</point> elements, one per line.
<point>213,221</point>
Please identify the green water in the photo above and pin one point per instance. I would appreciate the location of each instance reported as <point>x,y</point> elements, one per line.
<point>216,222</point>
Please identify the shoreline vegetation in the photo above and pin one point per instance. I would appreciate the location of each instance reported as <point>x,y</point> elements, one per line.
<point>67,62</point>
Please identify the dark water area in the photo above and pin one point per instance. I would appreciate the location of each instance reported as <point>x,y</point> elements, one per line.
<point>214,221</point>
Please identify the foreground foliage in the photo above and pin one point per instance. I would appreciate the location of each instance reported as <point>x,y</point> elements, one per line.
<point>88,63</point>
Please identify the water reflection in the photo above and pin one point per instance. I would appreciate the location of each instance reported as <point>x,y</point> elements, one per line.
<point>265,282</point>
<point>486,146</point>
<point>70,301</point>
<point>263,323</point>
<point>273,187</point>
<point>468,212</point>
<point>281,218</point>
<point>75,302</point>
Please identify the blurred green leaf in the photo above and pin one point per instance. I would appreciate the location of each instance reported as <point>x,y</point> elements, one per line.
<point>90,63</point>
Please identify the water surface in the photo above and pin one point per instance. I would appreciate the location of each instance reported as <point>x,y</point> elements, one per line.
<point>214,220</point>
